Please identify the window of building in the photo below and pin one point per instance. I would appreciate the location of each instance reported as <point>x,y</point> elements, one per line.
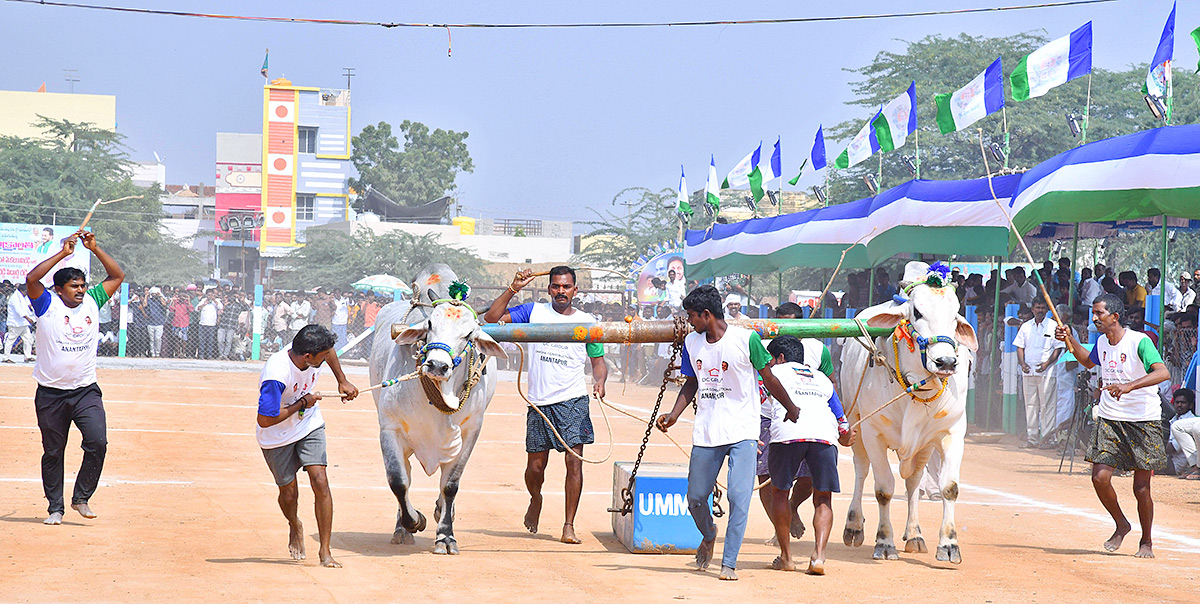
<point>307,139</point>
<point>305,206</point>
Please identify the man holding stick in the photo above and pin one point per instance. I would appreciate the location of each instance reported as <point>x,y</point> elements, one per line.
<point>1128,432</point>
<point>68,327</point>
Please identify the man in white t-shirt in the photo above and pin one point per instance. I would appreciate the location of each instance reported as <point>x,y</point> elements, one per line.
<point>208,307</point>
<point>808,440</point>
<point>341,317</point>
<point>291,430</point>
<point>1129,431</point>
<point>1021,290</point>
<point>1089,288</point>
<point>20,317</point>
<point>1156,287</point>
<point>719,363</point>
<point>1186,295</point>
<point>558,389</point>
<point>1037,352</point>
<point>68,327</point>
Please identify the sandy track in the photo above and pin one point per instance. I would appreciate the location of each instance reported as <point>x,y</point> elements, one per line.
<point>187,513</point>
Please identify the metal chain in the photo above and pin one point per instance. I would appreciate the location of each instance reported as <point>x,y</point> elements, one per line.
<point>676,346</point>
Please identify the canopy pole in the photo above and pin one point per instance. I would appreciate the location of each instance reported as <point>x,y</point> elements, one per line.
<point>1086,110</point>
<point>1074,267</point>
<point>1162,292</point>
<point>871,287</point>
<point>917,144</point>
<point>779,212</point>
<point>995,368</point>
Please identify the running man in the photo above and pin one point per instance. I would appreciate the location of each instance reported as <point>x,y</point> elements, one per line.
<point>1128,432</point>
<point>809,440</point>
<point>68,327</point>
<point>719,362</point>
<point>559,389</point>
<point>291,430</point>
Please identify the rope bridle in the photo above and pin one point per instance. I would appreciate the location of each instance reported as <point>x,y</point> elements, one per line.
<point>475,361</point>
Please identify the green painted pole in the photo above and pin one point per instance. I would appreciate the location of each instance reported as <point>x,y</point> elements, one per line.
<point>1162,292</point>
<point>1074,266</point>
<point>640,332</point>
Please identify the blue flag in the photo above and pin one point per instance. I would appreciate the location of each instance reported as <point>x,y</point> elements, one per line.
<point>1158,79</point>
<point>818,149</point>
<point>777,160</point>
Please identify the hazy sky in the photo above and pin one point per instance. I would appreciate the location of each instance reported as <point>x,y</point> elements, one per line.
<point>559,120</point>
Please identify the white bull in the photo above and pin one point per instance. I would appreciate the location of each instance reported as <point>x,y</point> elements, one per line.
<point>912,428</point>
<point>409,424</point>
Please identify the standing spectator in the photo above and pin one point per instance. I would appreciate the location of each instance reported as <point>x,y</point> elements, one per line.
<point>1064,378</point>
<point>1172,297</point>
<point>6,290</point>
<point>209,309</point>
<point>181,318</point>
<point>280,318</point>
<point>323,309</point>
<point>1128,434</point>
<point>1037,351</point>
<point>139,338</point>
<point>884,289</point>
<point>156,316</point>
<point>1089,288</point>
<point>1186,295</point>
<point>341,318</point>
<point>227,325</point>
<point>20,317</point>
<point>301,312</point>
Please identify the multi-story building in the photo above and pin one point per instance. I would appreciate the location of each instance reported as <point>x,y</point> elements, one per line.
<point>19,110</point>
<point>306,162</point>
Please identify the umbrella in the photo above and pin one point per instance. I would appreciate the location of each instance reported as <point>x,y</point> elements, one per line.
<point>382,284</point>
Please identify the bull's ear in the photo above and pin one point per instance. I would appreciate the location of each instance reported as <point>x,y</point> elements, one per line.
<point>487,345</point>
<point>965,334</point>
<point>413,333</point>
<point>887,318</point>
<point>432,294</point>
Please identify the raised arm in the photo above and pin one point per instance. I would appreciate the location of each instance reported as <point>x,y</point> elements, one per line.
<point>1081,354</point>
<point>116,276</point>
<point>499,309</point>
<point>33,281</point>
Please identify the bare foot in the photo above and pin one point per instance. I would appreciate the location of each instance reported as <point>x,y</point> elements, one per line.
<point>533,513</point>
<point>55,518</point>
<point>727,574</point>
<point>1114,542</point>
<point>772,541</point>
<point>780,564</point>
<point>568,535</point>
<point>704,554</point>
<point>816,567</point>
<point>296,542</point>
<point>1145,550</point>
<point>327,560</point>
<point>83,510</point>
<point>797,527</point>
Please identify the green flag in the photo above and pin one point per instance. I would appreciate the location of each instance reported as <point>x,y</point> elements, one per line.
<point>1196,37</point>
<point>799,172</point>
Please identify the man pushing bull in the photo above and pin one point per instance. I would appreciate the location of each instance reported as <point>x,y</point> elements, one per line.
<point>558,387</point>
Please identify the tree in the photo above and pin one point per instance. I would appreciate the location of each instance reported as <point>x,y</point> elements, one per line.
<point>56,179</point>
<point>1037,127</point>
<point>424,171</point>
<point>336,260</point>
<point>616,238</point>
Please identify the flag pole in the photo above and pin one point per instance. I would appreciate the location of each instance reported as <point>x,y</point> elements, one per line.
<point>917,143</point>
<point>1004,113</point>
<point>880,186</point>
<point>1087,109</point>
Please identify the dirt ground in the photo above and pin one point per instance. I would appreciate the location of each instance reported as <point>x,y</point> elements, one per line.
<point>188,513</point>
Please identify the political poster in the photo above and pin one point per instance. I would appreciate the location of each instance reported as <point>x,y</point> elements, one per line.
<point>24,246</point>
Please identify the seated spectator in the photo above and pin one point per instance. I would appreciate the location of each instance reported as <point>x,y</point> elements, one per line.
<point>1185,435</point>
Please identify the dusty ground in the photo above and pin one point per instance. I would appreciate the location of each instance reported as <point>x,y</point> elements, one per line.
<point>187,512</point>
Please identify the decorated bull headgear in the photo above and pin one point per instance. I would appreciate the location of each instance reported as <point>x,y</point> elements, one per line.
<point>907,333</point>
<point>459,292</point>
<point>937,278</point>
<point>455,358</point>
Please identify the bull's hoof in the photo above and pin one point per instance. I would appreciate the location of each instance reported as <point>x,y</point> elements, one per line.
<point>446,546</point>
<point>916,545</point>
<point>418,525</point>
<point>949,553</point>
<point>885,551</point>
<point>403,537</point>
<point>852,537</point>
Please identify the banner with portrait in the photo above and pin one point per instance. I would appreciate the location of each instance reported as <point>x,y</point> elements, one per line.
<point>24,246</point>
<point>657,276</point>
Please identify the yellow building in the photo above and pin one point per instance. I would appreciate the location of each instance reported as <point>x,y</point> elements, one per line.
<point>19,110</point>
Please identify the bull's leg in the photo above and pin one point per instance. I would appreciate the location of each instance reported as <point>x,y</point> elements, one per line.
<point>914,543</point>
<point>399,472</point>
<point>951,450</point>
<point>853,535</point>
<point>885,488</point>
<point>445,543</point>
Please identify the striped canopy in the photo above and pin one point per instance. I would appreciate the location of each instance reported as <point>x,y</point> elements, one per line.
<point>1120,180</point>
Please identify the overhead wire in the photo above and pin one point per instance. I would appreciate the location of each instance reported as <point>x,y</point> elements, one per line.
<point>630,24</point>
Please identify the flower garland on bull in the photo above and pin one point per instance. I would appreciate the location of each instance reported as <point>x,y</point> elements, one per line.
<point>938,279</point>
<point>459,291</point>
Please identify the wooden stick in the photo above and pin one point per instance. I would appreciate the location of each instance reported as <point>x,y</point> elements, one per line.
<point>1020,239</point>
<point>584,268</point>
<point>821,300</point>
<point>103,203</point>
<point>906,392</point>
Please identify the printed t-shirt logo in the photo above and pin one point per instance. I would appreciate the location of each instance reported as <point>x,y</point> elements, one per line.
<point>724,366</point>
<point>1123,357</point>
<point>714,372</point>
